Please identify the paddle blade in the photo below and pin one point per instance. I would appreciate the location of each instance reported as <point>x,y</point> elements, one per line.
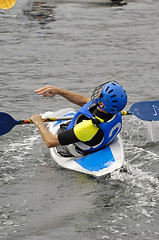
<point>6,4</point>
<point>148,111</point>
<point>6,123</point>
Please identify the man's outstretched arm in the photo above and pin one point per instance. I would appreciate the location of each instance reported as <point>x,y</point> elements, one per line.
<point>51,91</point>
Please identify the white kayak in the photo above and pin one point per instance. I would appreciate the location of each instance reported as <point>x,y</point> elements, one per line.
<point>98,163</point>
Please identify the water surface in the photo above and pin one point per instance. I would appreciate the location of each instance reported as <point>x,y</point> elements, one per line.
<point>77,46</point>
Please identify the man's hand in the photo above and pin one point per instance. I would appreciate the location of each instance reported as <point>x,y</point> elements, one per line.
<point>49,139</point>
<point>37,119</point>
<point>47,91</point>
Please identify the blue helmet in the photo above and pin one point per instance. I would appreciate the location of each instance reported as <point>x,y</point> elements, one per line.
<point>113,97</point>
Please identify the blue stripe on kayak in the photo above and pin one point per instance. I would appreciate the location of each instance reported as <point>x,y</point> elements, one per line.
<point>65,115</point>
<point>56,123</point>
<point>97,161</point>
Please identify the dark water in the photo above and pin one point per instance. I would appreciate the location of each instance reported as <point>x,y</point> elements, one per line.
<point>77,46</point>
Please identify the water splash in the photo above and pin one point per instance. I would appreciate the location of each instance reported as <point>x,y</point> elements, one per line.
<point>16,155</point>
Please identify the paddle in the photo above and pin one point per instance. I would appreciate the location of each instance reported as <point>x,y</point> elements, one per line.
<point>6,4</point>
<point>148,111</point>
<point>7,122</point>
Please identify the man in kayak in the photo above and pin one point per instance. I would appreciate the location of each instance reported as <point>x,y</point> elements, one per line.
<point>94,126</point>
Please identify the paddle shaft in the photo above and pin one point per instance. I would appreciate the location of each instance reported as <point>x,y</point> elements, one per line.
<point>126,113</point>
<point>53,119</point>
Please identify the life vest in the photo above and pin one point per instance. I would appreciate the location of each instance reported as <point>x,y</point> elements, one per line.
<point>110,129</point>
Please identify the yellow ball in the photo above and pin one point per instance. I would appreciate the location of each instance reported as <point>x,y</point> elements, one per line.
<point>6,4</point>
